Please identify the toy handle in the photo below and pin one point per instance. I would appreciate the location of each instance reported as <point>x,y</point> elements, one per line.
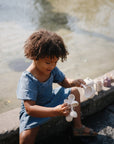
<point>83,86</point>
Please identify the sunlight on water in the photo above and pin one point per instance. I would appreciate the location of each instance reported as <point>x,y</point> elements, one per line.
<point>86,27</point>
<point>90,15</point>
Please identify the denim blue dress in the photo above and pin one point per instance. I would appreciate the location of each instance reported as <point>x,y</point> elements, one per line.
<point>29,88</point>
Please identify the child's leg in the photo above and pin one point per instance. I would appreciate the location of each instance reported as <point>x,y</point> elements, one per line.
<point>77,121</point>
<point>28,136</point>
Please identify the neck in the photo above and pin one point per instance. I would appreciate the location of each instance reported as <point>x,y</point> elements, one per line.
<point>36,73</point>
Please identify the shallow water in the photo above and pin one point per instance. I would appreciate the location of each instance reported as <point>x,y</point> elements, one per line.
<point>86,27</point>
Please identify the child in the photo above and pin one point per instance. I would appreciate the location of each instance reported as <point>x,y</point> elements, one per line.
<point>39,100</point>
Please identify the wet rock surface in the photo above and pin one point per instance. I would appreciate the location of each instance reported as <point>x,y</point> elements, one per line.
<point>102,122</point>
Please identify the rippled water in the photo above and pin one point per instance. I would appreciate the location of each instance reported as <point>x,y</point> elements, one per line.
<point>86,27</point>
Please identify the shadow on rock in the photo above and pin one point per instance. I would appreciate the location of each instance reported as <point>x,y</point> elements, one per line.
<point>101,122</point>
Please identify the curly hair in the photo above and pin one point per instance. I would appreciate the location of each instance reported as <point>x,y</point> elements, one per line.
<point>45,44</point>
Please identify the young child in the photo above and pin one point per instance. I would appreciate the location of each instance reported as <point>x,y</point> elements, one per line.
<point>39,101</point>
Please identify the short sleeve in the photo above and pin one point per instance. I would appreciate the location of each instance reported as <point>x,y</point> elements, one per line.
<point>27,88</point>
<point>58,75</point>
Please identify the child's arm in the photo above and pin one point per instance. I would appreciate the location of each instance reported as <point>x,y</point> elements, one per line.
<point>40,111</point>
<point>71,83</point>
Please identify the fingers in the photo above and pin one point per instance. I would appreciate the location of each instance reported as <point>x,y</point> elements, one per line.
<point>64,105</point>
<point>62,110</point>
<point>65,109</point>
<point>80,81</point>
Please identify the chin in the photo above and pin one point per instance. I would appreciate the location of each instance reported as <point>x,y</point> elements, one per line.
<point>48,72</point>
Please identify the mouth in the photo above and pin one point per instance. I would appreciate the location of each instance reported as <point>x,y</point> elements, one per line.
<point>49,70</point>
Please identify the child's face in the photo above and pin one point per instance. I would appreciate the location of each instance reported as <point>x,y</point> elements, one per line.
<point>46,65</point>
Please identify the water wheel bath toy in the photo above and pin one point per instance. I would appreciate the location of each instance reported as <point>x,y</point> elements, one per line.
<point>89,90</point>
<point>72,103</point>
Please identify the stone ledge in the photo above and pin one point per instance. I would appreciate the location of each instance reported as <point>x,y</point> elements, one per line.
<point>9,126</point>
<point>98,102</point>
<point>9,121</point>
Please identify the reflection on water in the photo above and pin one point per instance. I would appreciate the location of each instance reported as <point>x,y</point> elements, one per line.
<point>86,27</point>
<point>72,23</point>
<point>19,65</point>
<point>91,15</point>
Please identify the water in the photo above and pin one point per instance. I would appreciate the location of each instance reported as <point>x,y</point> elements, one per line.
<point>86,27</point>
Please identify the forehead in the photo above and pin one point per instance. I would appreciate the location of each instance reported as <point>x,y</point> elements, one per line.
<point>54,59</point>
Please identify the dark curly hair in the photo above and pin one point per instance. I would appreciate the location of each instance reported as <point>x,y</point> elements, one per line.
<point>45,44</point>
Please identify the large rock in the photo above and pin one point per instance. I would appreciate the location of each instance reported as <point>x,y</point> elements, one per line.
<point>9,122</point>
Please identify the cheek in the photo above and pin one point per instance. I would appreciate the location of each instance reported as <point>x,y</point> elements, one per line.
<point>45,66</point>
<point>42,66</point>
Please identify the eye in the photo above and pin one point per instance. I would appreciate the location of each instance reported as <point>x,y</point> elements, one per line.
<point>47,63</point>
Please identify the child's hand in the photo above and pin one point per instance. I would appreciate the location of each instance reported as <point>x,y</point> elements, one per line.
<point>62,110</point>
<point>79,82</point>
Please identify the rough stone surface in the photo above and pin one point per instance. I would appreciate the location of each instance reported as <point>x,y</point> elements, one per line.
<point>58,130</point>
<point>103,123</point>
<point>9,127</point>
<point>98,102</point>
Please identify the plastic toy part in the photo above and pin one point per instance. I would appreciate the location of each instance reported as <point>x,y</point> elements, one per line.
<point>89,90</point>
<point>99,85</point>
<point>107,82</point>
<point>72,103</point>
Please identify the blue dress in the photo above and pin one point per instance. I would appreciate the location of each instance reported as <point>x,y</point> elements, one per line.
<point>29,88</point>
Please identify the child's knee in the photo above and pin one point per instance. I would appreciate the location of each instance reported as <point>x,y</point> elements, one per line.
<point>76,93</point>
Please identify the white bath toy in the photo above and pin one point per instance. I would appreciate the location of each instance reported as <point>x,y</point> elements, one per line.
<point>99,85</point>
<point>72,103</point>
<point>89,90</point>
